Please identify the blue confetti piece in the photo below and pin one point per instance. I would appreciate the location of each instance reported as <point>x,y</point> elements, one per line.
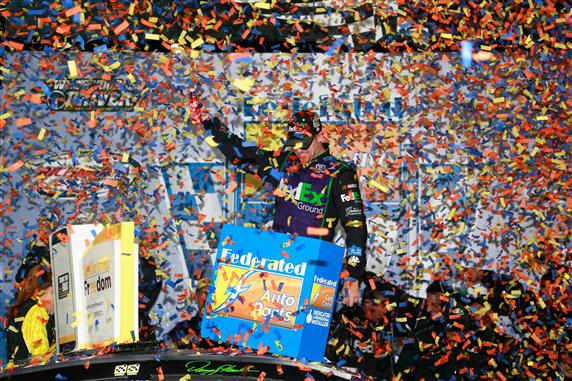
<point>466,53</point>
<point>274,173</point>
<point>100,48</point>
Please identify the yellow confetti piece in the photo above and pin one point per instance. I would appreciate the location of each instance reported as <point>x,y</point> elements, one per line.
<point>41,134</point>
<point>243,84</point>
<point>5,115</point>
<point>152,36</point>
<point>534,151</point>
<point>446,35</point>
<point>211,142</point>
<point>379,186</point>
<point>125,158</point>
<point>115,65</point>
<point>72,68</point>
<point>198,42</point>
<point>186,377</point>
<point>262,5</point>
<point>541,117</point>
<point>499,100</point>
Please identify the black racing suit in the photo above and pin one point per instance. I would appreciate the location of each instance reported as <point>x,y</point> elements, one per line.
<point>310,199</point>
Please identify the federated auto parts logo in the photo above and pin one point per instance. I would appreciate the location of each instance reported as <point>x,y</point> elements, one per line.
<point>82,173</point>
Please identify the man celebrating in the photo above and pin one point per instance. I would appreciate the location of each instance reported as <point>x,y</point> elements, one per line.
<point>313,190</point>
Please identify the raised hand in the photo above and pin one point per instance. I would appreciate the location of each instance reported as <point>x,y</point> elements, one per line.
<point>195,108</point>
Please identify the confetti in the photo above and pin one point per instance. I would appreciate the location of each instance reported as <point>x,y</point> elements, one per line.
<point>460,133</point>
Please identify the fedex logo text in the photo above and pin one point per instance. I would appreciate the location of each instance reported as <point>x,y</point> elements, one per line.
<point>351,196</point>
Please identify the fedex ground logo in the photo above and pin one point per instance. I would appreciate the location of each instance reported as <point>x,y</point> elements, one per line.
<point>304,192</point>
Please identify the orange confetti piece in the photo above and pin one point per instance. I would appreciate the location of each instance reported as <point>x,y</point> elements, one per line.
<point>23,122</point>
<point>160,374</point>
<point>121,27</point>
<point>72,11</point>
<point>17,165</point>
<point>231,187</point>
<point>317,231</point>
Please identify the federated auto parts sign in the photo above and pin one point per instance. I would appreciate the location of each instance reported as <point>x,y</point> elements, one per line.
<point>82,173</point>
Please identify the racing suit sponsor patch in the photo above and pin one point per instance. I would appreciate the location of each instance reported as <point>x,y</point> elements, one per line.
<point>354,224</point>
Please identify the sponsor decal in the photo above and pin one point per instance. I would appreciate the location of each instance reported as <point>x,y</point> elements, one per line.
<point>242,278</point>
<point>354,255</point>
<point>317,175</point>
<point>354,224</point>
<point>353,211</point>
<point>319,318</point>
<point>304,197</point>
<point>366,347</point>
<point>82,173</point>
<point>91,94</point>
<point>63,285</point>
<point>320,168</point>
<point>206,368</point>
<point>353,261</point>
<point>322,296</point>
<point>303,192</point>
<point>355,250</point>
<point>97,285</point>
<point>318,171</point>
<point>251,261</point>
<point>126,370</point>
<point>350,196</point>
<point>361,110</point>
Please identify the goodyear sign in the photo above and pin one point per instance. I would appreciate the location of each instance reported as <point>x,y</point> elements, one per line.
<point>273,291</point>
